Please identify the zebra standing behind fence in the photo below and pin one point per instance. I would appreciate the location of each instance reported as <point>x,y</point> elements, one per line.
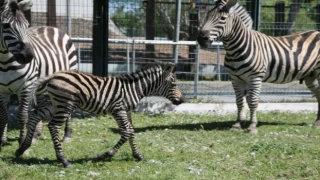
<point>115,95</point>
<point>25,55</point>
<point>253,57</point>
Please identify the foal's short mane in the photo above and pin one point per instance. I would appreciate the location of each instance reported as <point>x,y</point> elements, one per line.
<point>137,73</point>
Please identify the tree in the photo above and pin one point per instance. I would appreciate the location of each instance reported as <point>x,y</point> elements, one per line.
<point>292,15</point>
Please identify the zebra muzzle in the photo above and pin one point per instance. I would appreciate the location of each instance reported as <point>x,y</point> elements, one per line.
<point>25,55</point>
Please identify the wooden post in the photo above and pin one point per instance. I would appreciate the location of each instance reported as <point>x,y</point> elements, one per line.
<point>279,21</point>
<point>51,15</point>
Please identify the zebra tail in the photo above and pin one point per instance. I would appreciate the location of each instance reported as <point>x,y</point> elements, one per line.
<point>39,86</point>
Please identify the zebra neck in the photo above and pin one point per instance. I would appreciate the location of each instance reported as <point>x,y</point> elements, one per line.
<point>146,82</point>
<point>238,35</point>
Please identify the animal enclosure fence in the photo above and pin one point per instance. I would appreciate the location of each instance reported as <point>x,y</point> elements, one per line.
<point>133,21</point>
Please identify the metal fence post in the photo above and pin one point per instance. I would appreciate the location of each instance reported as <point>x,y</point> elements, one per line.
<point>79,55</point>
<point>133,55</point>
<point>318,16</point>
<point>218,63</point>
<point>196,77</point>
<point>128,57</point>
<point>100,33</point>
<point>68,17</point>
<point>176,31</point>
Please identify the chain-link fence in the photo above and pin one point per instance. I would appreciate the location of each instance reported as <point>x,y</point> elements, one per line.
<point>156,20</point>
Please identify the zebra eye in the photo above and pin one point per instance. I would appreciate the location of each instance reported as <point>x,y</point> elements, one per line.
<point>223,18</point>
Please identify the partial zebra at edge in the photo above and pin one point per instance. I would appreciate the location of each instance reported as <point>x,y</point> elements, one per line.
<point>26,55</point>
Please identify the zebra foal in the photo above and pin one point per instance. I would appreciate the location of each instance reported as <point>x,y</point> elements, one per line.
<point>25,55</point>
<point>117,95</point>
<point>253,57</point>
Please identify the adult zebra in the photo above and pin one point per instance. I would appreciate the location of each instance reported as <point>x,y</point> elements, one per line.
<point>25,55</point>
<point>253,57</point>
<point>118,95</point>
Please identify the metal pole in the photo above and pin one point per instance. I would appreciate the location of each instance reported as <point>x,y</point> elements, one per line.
<point>128,57</point>
<point>68,17</point>
<point>218,62</point>
<point>177,31</point>
<point>196,77</point>
<point>133,55</point>
<point>79,57</point>
<point>258,10</point>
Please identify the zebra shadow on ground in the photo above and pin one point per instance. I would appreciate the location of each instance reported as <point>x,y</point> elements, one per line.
<point>209,126</point>
<point>43,161</point>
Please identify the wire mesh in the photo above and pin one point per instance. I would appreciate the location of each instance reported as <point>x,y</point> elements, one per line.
<point>130,19</point>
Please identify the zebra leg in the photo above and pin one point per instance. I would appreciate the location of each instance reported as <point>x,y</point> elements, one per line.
<point>240,89</point>
<point>60,117</point>
<point>4,117</point>
<point>24,100</point>
<point>54,128</point>
<point>135,153</point>
<point>35,118</point>
<point>313,85</point>
<point>42,101</point>
<point>126,131</point>
<point>37,132</point>
<point>67,131</point>
<point>253,102</point>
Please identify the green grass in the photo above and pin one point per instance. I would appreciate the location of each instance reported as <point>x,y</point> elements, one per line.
<point>177,146</point>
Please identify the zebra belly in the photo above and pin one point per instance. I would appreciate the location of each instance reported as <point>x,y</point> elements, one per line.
<point>295,71</point>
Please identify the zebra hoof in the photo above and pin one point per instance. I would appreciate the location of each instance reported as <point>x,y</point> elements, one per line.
<point>67,165</point>
<point>66,139</point>
<point>34,140</point>
<point>139,157</point>
<point>252,131</point>
<point>19,152</point>
<point>317,123</point>
<point>236,127</point>
<point>101,157</point>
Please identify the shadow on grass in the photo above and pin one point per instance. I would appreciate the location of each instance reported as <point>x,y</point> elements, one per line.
<point>220,126</point>
<point>44,161</point>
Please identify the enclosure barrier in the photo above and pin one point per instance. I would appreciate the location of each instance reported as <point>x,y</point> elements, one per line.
<point>175,59</point>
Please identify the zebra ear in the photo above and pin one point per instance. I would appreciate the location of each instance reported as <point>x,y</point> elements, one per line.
<point>25,5</point>
<point>231,3</point>
<point>169,67</point>
<point>225,5</point>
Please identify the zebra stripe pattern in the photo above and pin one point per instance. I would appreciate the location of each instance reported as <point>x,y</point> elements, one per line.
<point>118,96</point>
<point>253,57</point>
<point>25,55</point>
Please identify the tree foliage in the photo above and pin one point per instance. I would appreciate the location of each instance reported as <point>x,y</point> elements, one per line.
<point>130,21</point>
<point>130,17</point>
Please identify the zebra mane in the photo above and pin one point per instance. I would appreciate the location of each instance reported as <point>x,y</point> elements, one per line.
<point>243,14</point>
<point>149,68</point>
<point>237,8</point>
